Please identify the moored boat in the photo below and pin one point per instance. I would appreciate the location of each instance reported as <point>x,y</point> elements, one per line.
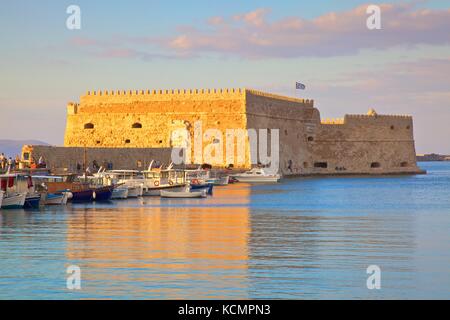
<point>14,201</point>
<point>57,198</point>
<point>134,191</point>
<point>13,197</point>
<point>32,201</point>
<point>104,193</point>
<point>183,194</point>
<point>1,197</point>
<point>203,186</point>
<point>257,175</point>
<point>80,196</point>
<point>156,191</point>
<point>120,192</point>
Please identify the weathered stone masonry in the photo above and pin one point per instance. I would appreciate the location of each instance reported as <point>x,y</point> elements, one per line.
<point>356,144</point>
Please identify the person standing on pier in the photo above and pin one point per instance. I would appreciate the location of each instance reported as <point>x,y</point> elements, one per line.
<point>2,161</point>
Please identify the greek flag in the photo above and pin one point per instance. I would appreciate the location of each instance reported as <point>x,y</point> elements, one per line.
<point>300,86</point>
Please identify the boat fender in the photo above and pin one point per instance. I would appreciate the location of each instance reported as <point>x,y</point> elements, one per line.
<point>170,183</point>
<point>156,183</point>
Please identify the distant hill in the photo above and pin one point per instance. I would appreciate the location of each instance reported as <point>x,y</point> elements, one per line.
<point>11,148</point>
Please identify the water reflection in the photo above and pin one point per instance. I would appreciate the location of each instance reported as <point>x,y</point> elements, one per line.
<point>162,251</point>
<point>303,238</point>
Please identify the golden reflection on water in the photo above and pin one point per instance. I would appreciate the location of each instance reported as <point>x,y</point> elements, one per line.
<point>161,249</point>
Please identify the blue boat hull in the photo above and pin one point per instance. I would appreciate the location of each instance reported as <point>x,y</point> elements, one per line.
<point>32,202</point>
<point>103,194</point>
<point>207,186</point>
<point>83,196</point>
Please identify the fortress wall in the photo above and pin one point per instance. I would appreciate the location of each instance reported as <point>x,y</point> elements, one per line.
<point>295,119</point>
<point>385,142</point>
<point>61,158</point>
<point>113,117</point>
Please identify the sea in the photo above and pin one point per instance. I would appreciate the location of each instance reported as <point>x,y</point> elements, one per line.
<point>354,237</point>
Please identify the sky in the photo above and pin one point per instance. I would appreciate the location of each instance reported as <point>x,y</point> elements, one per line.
<point>403,68</point>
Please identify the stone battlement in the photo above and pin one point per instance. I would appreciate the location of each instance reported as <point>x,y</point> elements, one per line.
<point>381,116</point>
<point>163,92</point>
<point>119,96</point>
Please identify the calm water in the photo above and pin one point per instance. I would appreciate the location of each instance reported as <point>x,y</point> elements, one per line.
<point>303,238</point>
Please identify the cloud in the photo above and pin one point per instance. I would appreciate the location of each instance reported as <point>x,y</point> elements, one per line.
<point>253,35</point>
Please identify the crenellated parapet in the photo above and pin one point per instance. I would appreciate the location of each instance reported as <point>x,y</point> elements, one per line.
<point>120,96</point>
<point>378,116</point>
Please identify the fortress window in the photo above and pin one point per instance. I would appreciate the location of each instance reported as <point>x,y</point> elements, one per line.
<point>127,141</point>
<point>375,165</point>
<point>408,127</point>
<point>392,127</point>
<point>136,125</point>
<point>305,164</point>
<point>98,142</point>
<point>310,139</point>
<point>89,126</point>
<point>160,141</point>
<point>404,164</point>
<point>285,132</point>
<point>321,165</point>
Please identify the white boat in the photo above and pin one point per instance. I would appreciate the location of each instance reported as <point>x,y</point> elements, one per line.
<point>120,193</point>
<point>183,194</point>
<point>132,179</point>
<point>15,191</point>
<point>14,201</point>
<point>134,191</point>
<point>257,175</point>
<point>158,179</point>
<point>156,191</point>
<point>57,199</point>
<point>1,197</point>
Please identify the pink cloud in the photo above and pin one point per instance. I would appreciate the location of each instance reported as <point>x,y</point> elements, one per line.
<point>252,35</point>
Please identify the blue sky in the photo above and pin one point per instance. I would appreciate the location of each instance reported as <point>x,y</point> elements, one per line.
<point>267,45</point>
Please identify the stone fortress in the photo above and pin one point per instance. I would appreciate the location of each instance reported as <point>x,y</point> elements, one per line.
<point>116,121</point>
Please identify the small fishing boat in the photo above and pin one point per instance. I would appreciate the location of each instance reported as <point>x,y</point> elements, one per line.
<point>32,201</point>
<point>80,196</point>
<point>57,199</point>
<point>132,179</point>
<point>257,175</point>
<point>134,191</point>
<point>156,191</point>
<point>101,194</point>
<point>158,179</point>
<point>120,192</point>
<point>14,201</point>
<point>203,186</point>
<point>183,194</point>
<point>13,198</point>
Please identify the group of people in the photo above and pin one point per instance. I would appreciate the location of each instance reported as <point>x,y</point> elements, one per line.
<point>8,163</point>
<point>95,166</point>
